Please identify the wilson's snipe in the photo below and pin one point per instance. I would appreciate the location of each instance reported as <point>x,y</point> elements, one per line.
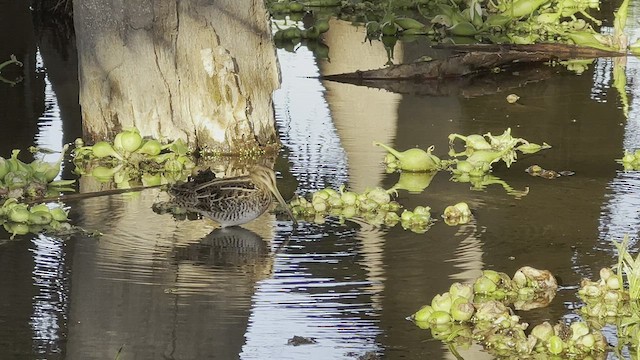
<point>233,200</point>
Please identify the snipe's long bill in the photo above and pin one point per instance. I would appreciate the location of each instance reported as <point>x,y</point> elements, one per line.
<point>231,201</point>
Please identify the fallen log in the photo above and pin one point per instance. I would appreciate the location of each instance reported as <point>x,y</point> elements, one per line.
<point>472,59</point>
<point>561,51</point>
<point>474,85</point>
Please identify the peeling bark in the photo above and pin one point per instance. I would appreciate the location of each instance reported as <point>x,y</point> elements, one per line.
<point>201,70</point>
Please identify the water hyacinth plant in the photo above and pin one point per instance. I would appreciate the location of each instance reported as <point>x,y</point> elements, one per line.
<point>481,313</point>
<point>20,180</point>
<point>412,159</point>
<point>21,219</point>
<point>132,161</point>
<point>614,299</point>
<point>417,220</point>
<point>523,21</point>
<point>457,214</point>
<point>417,169</point>
<point>373,205</point>
<point>481,152</point>
<point>630,161</point>
<point>528,284</point>
<point>473,165</point>
<point>484,150</point>
<point>605,298</point>
<point>491,323</point>
<point>617,292</point>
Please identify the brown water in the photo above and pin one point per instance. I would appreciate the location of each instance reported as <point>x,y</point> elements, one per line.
<point>159,288</point>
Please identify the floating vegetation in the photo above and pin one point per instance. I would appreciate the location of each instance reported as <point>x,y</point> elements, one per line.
<point>530,288</point>
<point>481,312</point>
<point>614,298</point>
<point>457,214</point>
<point>522,21</point>
<point>290,31</point>
<point>417,220</point>
<point>417,168</point>
<point>605,298</point>
<point>19,180</point>
<point>131,160</point>
<point>473,165</point>
<point>537,170</point>
<point>294,34</point>
<point>411,160</point>
<point>512,98</point>
<point>374,206</point>
<point>21,219</point>
<point>617,292</point>
<point>578,66</point>
<point>631,161</point>
<point>483,150</point>
<point>285,7</point>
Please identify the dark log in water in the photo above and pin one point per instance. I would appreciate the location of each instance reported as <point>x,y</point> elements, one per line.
<point>560,51</point>
<point>470,86</point>
<point>472,59</point>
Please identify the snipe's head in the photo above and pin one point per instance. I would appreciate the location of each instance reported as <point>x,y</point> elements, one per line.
<point>265,178</point>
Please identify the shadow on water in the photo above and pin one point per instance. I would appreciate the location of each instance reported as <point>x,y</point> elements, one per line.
<point>233,246</point>
<point>162,288</point>
<point>170,289</point>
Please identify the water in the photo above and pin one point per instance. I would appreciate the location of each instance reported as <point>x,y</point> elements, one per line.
<point>155,287</point>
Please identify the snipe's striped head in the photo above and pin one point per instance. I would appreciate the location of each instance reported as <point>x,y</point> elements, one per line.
<point>264,177</point>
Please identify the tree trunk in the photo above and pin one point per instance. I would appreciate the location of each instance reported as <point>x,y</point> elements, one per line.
<point>201,70</point>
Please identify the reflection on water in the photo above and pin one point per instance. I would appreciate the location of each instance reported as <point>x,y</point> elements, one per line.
<point>49,134</point>
<point>305,125</point>
<point>167,289</point>
<point>319,289</point>
<point>234,246</point>
<point>619,215</point>
<point>51,302</point>
<point>361,115</point>
<point>339,310</point>
<point>468,255</point>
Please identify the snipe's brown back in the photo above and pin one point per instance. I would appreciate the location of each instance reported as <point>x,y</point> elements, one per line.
<point>231,201</point>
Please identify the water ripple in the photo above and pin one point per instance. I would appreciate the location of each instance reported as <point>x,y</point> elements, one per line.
<point>51,302</point>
